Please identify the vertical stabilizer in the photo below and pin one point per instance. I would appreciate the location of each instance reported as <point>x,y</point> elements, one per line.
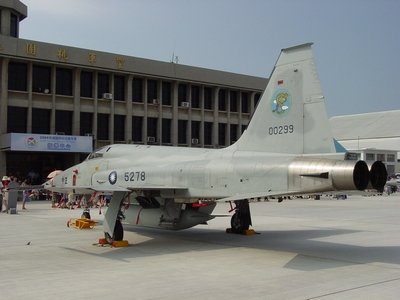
<point>291,115</point>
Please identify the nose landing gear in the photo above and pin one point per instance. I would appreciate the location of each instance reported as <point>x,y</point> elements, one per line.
<point>241,219</point>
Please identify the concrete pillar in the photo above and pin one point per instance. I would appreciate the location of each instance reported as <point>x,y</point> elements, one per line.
<point>5,21</point>
<point>144,127</point>
<point>175,104</point>
<point>214,140</point>
<point>30,101</point>
<point>3,109</point>
<point>160,115</point>
<point>76,117</point>
<point>3,95</point>
<point>112,112</point>
<point>53,100</point>
<point>252,101</point>
<point>95,108</point>
<point>129,109</point>
<point>228,123</point>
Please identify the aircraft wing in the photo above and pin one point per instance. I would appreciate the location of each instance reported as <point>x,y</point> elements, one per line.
<point>261,195</point>
<point>108,189</point>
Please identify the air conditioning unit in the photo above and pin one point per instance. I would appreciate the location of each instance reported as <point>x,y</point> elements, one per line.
<point>195,141</point>
<point>185,104</point>
<point>151,139</point>
<point>155,101</point>
<point>107,96</point>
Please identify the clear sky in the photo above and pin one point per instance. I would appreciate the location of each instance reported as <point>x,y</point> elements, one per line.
<point>356,42</point>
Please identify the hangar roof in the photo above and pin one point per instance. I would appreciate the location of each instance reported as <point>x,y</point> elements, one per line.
<point>375,125</point>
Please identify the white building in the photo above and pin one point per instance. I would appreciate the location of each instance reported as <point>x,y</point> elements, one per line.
<point>375,136</point>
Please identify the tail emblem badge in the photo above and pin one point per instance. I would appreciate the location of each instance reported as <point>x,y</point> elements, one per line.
<point>281,102</point>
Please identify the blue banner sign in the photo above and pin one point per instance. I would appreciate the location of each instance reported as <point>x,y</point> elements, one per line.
<point>51,143</point>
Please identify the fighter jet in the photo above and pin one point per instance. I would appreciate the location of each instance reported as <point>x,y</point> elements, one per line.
<point>287,149</point>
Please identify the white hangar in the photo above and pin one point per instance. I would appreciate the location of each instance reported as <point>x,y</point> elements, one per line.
<point>374,136</point>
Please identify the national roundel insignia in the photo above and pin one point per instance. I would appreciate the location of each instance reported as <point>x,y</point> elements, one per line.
<point>112,178</point>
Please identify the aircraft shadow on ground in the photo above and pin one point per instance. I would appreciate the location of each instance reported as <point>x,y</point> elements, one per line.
<point>310,254</point>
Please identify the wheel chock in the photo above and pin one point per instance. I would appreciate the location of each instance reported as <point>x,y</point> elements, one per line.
<point>116,244</point>
<point>102,242</point>
<point>249,232</point>
<point>244,232</point>
<point>81,223</point>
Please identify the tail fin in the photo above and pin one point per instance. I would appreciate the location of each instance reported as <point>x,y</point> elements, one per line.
<point>291,115</point>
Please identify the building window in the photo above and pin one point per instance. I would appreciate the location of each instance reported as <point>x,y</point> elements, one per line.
<point>102,127</point>
<point>370,156</point>
<point>119,87</point>
<point>137,126</point>
<point>166,93</point>
<point>208,126</point>
<point>233,101</point>
<point>380,157</point>
<point>14,25</point>
<point>137,90</point>
<point>195,93</point>
<point>17,76</point>
<point>208,98</point>
<point>16,119</point>
<point>152,129</point>
<point>391,158</point>
<point>119,128</point>
<point>390,169</point>
<point>221,134</point>
<point>103,84</point>
<point>182,93</point>
<point>256,99</point>
<point>41,79</point>
<point>195,129</point>
<point>64,122</point>
<point>86,120</point>
<point>151,90</point>
<point>41,120</point>
<point>244,127</point>
<point>182,131</point>
<point>63,82</point>
<point>86,84</point>
<point>245,103</point>
<point>166,131</point>
<point>222,100</point>
<point>233,137</point>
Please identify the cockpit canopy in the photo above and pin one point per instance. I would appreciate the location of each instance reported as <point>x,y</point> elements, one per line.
<point>98,153</point>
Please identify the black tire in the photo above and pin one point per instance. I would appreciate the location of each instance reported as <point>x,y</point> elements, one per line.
<point>85,215</point>
<point>118,233</point>
<point>238,225</point>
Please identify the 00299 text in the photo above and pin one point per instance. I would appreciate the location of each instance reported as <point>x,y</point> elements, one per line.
<point>282,129</point>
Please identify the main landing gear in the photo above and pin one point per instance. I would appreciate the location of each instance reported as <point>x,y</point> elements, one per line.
<point>113,230</point>
<point>118,234</point>
<point>241,219</point>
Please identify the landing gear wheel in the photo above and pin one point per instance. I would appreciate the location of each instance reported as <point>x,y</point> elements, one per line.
<point>239,224</point>
<point>85,215</point>
<point>118,233</point>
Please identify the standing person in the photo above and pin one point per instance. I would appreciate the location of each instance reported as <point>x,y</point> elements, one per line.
<point>5,180</point>
<point>12,194</point>
<point>1,196</point>
<point>25,194</point>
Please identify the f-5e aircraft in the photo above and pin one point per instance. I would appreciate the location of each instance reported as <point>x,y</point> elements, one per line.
<point>287,149</point>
